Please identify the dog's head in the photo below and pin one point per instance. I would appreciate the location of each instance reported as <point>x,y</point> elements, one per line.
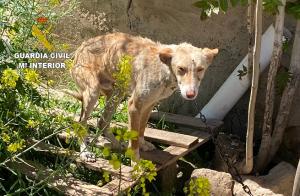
<point>189,64</point>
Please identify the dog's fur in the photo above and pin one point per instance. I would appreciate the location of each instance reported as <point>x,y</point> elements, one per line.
<point>157,71</point>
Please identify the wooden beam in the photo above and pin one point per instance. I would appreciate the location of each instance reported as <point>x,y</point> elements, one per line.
<point>63,184</point>
<point>170,138</point>
<point>99,165</point>
<point>166,137</point>
<point>172,153</point>
<point>113,186</point>
<point>99,142</point>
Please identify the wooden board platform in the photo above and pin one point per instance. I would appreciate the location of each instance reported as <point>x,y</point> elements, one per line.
<point>172,153</point>
<point>99,165</point>
<point>179,144</point>
<point>63,184</point>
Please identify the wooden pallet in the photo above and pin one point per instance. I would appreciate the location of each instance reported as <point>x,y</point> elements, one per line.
<point>179,144</point>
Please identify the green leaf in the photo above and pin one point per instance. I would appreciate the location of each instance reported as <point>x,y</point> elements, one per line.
<point>223,5</point>
<point>118,137</point>
<point>271,6</point>
<point>106,176</point>
<point>203,15</point>
<point>244,2</point>
<point>119,132</point>
<point>214,3</point>
<point>106,151</point>
<point>133,135</point>
<point>293,8</point>
<point>129,153</point>
<point>115,162</point>
<point>282,79</point>
<point>234,2</point>
<point>201,4</point>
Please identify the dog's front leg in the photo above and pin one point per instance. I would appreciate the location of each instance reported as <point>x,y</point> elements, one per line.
<point>85,154</point>
<point>89,100</point>
<point>145,145</point>
<point>134,110</point>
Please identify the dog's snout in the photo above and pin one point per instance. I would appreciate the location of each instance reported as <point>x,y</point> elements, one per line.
<point>190,94</point>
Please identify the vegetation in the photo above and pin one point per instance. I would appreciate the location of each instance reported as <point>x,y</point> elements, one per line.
<point>198,186</point>
<point>25,114</point>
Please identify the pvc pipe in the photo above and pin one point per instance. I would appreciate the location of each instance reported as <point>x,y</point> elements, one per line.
<point>234,88</point>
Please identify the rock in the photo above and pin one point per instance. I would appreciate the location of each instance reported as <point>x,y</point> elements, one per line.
<point>279,181</point>
<point>221,182</point>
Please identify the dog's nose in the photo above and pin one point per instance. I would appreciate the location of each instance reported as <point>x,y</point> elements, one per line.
<point>190,94</point>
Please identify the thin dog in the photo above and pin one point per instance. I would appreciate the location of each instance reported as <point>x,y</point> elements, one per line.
<point>157,71</point>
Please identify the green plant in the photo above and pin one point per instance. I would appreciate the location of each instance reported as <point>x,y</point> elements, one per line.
<point>242,72</point>
<point>293,8</point>
<point>144,171</point>
<point>198,186</point>
<point>209,7</point>
<point>283,77</point>
<point>23,111</point>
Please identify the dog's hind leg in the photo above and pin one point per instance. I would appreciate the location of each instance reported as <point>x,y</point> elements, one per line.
<point>89,100</point>
<point>112,102</point>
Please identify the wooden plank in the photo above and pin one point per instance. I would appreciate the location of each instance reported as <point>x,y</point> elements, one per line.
<point>113,186</point>
<point>99,165</point>
<point>99,142</point>
<point>66,185</point>
<point>185,120</point>
<point>167,179</point>
<point>165,137</point>
<point>172,153</point>
<point>170,138</point>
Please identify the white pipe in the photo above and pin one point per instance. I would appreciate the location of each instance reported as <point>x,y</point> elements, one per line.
<point>234,88</point>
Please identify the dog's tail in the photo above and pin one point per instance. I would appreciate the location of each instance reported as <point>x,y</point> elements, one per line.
<point>74,94</point>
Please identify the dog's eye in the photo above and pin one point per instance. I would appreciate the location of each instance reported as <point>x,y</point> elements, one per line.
<point>181,70</point>
<point>199,69</point>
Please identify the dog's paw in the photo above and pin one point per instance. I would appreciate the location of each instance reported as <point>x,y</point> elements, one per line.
<point>147,146</point>
<point>88,156</point>
<point>136,158</point>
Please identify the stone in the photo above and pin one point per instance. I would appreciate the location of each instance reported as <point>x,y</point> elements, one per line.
<point>278,182</point>
<point>221,182</point>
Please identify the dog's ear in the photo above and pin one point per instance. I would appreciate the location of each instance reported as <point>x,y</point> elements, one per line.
<point>165,56</point>
<point>210,54</point>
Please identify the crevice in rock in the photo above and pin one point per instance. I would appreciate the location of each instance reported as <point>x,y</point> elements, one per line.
<point>129,5</point>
